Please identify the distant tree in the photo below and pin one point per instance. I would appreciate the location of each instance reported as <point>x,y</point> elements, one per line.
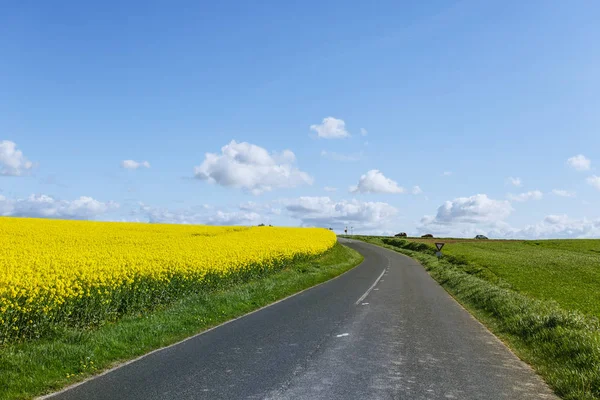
<point>427,236</point>
<point>401,234</point>
<point>261,224</point>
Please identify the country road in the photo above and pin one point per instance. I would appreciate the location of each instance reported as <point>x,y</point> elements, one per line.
<point>384,330</point>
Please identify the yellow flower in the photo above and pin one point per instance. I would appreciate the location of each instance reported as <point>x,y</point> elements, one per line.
<point>51,270</point>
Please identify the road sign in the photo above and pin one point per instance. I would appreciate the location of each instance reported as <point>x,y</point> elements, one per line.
<point>438,254</point>
<point>439,246</point>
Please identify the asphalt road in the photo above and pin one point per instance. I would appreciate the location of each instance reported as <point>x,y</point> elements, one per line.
<point>404,339</point>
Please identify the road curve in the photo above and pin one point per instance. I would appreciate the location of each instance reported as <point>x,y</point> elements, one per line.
<point>384,330</point>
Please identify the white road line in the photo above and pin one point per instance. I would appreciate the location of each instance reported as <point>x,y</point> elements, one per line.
<point>343,334</point>
<point>364,304</point>
<point>369,290</point>
<point>125,363</point>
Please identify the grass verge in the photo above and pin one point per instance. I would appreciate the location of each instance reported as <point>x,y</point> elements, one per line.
<point>564,270</point>
<point>563,346</point>
<point>36,367</point>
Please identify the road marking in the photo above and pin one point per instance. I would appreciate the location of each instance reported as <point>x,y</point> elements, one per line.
<point>364,304</point>
<point>343,334</point>
<point>133,360</point>
<point>369,290</point>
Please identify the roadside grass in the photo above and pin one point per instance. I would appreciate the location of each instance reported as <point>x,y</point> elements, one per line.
<point>565,271</point>
<point>563,345</point>
<point>41,366</point>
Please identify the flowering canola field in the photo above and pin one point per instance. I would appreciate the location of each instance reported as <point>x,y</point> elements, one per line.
<point>81,273</point>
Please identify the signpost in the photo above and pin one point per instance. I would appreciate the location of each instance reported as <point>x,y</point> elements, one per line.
<point>439,246</point>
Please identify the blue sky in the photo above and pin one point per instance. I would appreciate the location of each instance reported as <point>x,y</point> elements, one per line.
<point>455,97</point>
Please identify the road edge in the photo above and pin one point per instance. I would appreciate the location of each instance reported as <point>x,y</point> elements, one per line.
<point>131,361</point>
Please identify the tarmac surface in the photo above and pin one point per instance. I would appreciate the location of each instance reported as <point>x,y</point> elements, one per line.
<point>383,330</point>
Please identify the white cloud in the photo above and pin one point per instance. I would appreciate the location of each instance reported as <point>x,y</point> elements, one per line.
<point>515,181</point>
<point>197,216</point>
<point>446,173</point>
<point>43,206</point>
<point>250,206</point>
<point>563,193</point>
<point>12,161</point>
<point>551,227</point>
<point>417,190</point>
<point>166,216</point>
<point>559,226</point>
<point>235,218</point>
<point>579,162</point>
<point>475,209</point>
<point>325,212</point>
<point>364,132</point>
<point>130,164</point>
<point>594,181</point>
<point>470,216</point>
<point>375,182</point>
<point>252,168</point>
<point>531,195</point>
<point>331,128</point>
<point>268,208</point>
<point>497,229</point>
<point>341,157</point>
<point>329,189</point>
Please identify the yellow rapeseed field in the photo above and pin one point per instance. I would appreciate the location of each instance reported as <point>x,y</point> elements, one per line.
<point>81,273</point>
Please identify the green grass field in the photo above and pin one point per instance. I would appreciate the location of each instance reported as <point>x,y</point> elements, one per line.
<point>566,271</point>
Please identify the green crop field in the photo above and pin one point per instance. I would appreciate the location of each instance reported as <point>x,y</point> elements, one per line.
<point>566,271</point>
